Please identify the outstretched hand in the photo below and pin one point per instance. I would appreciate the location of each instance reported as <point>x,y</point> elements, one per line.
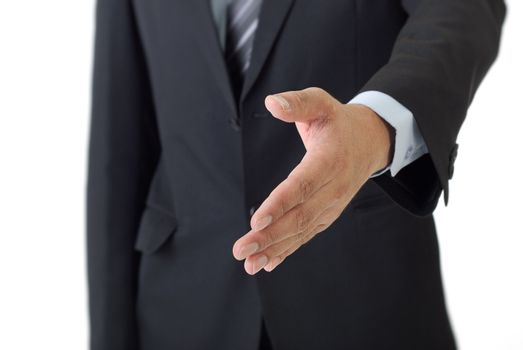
<point>345,144</point>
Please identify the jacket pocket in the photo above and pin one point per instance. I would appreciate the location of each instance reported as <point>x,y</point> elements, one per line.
<point>156,226</point>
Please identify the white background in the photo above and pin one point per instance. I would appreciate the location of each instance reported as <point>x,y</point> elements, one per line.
<point>45,71</point>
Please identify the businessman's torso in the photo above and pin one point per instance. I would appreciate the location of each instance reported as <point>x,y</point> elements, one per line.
<point>375,271</point>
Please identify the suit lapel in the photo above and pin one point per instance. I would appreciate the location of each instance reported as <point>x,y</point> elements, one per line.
<point>272,17</point>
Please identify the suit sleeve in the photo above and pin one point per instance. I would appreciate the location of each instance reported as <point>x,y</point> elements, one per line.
<point>438,61</point>
<point>123,151</point>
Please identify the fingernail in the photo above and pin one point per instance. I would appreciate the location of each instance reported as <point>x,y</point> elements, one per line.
<point>284,104</point>
<point>262,223</point>
<point>247,250</point>
<point>273,265</point>
<point>259,264</point>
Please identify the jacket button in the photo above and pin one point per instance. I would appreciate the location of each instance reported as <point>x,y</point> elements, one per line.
<point>234,124</point>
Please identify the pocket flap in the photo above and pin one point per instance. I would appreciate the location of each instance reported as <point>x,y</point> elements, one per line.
<point>156,226</point>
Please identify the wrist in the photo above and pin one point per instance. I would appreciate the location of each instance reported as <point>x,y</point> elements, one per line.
<point>385,152</point>
<point>379,138</point>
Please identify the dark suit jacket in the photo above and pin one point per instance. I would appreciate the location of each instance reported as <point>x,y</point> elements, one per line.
<point>177,164</point>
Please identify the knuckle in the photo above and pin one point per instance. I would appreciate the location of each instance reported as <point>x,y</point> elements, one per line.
<point>305,188</point>
<point>269,237</point>
<point>298,239</point>
<point>302,220</point>
<point>301,239</point>
<point>285,255</point>
<point>301,186</point>
<point>320,228</point>
<point>300,99</point>
<point>278,200</point>
<point>327,101</point>
<point>277,249</point>
<point>316,90</point>
<point>282,205</point>
<point>331,106</point>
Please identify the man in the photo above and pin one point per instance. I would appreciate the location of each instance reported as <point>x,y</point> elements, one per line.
<point>224,125</point>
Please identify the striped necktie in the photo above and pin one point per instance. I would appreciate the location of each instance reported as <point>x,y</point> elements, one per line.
<point>242,22</point>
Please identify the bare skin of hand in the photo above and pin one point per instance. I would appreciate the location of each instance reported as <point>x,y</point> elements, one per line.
<point>345,144</point>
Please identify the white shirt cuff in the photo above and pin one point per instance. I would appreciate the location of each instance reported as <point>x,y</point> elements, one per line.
<point>409,145</point>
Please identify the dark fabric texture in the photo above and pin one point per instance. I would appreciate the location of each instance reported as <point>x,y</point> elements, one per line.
<point>265,342</point>
<point>177,164</point>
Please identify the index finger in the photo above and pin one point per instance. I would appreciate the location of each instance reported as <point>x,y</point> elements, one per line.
<point>305,179</point>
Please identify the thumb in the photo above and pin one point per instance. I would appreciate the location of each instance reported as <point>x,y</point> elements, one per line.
<point>301,106</point>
